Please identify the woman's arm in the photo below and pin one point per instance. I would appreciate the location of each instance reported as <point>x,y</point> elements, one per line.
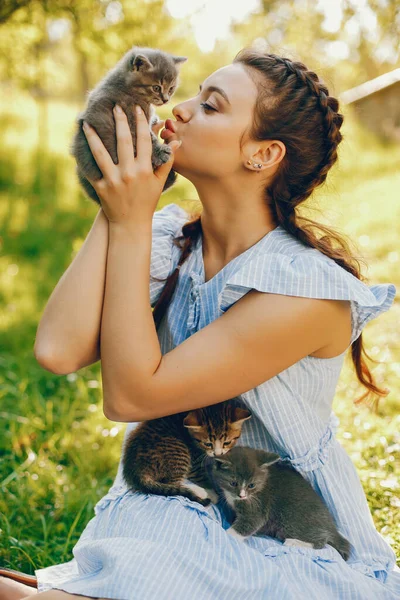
<point>261,335</point>
<point>68,335</point>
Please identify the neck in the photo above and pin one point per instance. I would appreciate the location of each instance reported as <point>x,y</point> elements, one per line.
<point>234,218</point>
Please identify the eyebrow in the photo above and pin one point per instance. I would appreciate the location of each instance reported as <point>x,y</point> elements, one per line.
<point>214,88</point>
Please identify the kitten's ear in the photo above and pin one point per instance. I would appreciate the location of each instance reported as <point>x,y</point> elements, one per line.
<point>179,59</point>
<point>240,415</point>
<point>192,421</point>
<point>270,459</point>
<point>140,62</point>
<point>224,465</point>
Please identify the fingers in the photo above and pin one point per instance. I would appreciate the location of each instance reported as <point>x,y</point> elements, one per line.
<point>99,151</point>
<point>143,140</point>
<point>124,141</point>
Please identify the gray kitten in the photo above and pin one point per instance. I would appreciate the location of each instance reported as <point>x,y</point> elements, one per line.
<point>161,453</point>
<point>143,76</point>
<point>269,497</point>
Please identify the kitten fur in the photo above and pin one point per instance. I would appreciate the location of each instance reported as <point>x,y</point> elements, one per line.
<point>161,453</point>
<point>276,500</point>
<point>130,82</point>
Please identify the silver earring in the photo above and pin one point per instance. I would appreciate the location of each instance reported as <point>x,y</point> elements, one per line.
<point>257,165</point>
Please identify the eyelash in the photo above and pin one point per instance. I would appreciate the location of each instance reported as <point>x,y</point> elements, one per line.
<point>207,106</point>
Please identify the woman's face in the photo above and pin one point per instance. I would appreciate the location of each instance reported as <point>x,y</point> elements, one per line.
<point>212,137</point>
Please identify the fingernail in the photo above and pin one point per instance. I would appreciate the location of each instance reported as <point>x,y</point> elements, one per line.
<point>118,109</point>
<point>138,109</point>
<point>86,126</point>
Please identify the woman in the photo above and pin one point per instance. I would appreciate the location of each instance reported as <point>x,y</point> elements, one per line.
<point>258,138</point>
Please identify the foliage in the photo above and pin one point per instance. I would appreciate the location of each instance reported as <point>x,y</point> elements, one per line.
<point>362,42</point>
<point>61,49</point>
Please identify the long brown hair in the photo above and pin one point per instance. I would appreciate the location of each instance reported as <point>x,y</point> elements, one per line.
<point>293,105</point>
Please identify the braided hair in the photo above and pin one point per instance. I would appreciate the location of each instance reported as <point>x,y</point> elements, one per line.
<point>294,106</point>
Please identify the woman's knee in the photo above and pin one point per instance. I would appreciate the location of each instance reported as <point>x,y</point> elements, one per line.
<point>13,590</point>
<point>60,595</point>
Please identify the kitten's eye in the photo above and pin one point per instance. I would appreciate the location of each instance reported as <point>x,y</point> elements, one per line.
<point>156,88</point>
<point>251,486</point>
<point>171,90</point>
<point>207,107</point>
<point>208,445</point>
<point>233,483</point>
<point>227,443</point>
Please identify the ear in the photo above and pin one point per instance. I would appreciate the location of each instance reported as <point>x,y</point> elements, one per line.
<point>192,421</point>
<point>179,59</point>
<point>269,153</point>
<point>240,415</point>
<point>140,62</point>
<point>221,464</point>
<point>271,459</point>
<point>272,153</point>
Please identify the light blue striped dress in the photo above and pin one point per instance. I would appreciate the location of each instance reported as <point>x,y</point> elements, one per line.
<point>146,547</point>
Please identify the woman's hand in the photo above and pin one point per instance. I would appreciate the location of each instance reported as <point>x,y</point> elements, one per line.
<point>129,191</point>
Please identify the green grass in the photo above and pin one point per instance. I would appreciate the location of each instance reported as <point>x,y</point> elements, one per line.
<point>58,453</point>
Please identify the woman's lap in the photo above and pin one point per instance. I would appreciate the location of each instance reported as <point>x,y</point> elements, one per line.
<point>145,546</point>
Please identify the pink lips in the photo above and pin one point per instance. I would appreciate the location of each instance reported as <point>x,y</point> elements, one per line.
<point>168,133</point>
<point>169,125</point>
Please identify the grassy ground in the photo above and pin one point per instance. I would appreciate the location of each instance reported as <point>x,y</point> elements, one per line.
<point>58,453</point>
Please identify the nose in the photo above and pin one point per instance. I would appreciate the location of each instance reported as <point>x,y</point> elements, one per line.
<point>181,111</point>
<point>242,494</point>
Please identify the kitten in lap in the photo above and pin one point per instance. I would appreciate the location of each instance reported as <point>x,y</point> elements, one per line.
<point>161,453</point>
<point>144,76</point>
<point>269,497</point>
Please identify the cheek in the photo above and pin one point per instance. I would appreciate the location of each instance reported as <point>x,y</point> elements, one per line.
<point>209,148</point>
<point>221,141</point>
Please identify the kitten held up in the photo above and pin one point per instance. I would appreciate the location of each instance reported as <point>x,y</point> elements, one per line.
<point>161,453</point>
<point>144,76</point>
<point>271,498</point>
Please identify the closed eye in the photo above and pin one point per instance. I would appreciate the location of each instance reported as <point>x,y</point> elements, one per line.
<point>207,107</point>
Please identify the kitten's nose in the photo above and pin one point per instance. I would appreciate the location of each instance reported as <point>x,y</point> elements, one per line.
<point>242,494</point>
<point>218,449</point>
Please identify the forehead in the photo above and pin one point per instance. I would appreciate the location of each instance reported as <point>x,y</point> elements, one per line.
<point>235,80</point>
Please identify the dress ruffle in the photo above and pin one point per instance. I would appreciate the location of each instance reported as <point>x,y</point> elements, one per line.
<point>308,274</point>
<point>316,457</point>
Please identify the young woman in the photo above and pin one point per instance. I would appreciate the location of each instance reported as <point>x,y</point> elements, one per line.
<point>253,305</point>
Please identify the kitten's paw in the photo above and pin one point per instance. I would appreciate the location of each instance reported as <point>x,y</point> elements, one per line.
<point>204,501</point>
<point>212,494</point>
<point>295,542</point>
<point>198,490</point>
<point>233,533</point>
<point>161,155</point>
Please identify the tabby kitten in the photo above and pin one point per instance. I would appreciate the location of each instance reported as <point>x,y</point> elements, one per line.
<point>144,76</point>
<point>271,498</point>
<point>161,453</point>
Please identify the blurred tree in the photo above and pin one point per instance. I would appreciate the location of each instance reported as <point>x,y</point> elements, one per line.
<point>8,8</point>
<point>374,29</point>
<point>361,43</point>
<point>80,40</point>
